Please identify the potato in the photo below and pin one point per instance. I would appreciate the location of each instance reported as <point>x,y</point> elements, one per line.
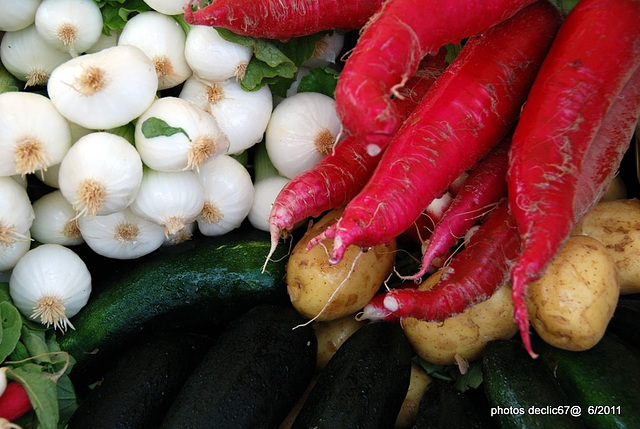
<point>571,305</point>
<point>418,384</point>
<point>331,334</point>
<point>616,224</point>
<point>617,190</point>
<point>323,291</point>
<point>465,335</point>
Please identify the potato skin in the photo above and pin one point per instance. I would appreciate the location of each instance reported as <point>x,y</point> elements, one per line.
<point>418,384</point>
<point>331,334</point>
<point>571,305</point>
<point>465,335</point>
<point>616,224</point>
<point>312,280</point>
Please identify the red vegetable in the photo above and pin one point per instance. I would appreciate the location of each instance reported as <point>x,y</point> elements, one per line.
<point>472,277</point>
<point>594,54</point>
<point>485,186</point>
<point>390,48</point>
<point>282,19</point>
<point>471,107</point>
<point>14,402</point>
<point>340,175</point>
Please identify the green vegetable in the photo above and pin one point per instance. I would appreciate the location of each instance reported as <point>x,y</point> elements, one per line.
<point>116,13</point>
<point>156,127</point>
<point>320,79</point>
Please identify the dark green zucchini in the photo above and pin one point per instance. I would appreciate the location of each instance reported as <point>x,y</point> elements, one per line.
<point>253,375</point>
<point>444,406</point>
<point>603,381</point>
<point>140,386</point>
<point>520,389</point>
<point>364,383</point>
<point>206,282</point>
<point>626,321</point>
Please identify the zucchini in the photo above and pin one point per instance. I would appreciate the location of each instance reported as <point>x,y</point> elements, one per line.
<point>141,384</point>
<point>520,389</point>
<point>626,321</point>
<point>443,406</point>
<point>253,375</point>
<point>202,282</point>
<point>363,384</point>
<point>603,381</point>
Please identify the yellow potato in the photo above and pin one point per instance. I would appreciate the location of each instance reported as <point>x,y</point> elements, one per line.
<point>323,291</point>
<point>418,384</point>
<point>616,224</point>
<point>464,336</point>
<point>331,334</point>
<point>571,305</point>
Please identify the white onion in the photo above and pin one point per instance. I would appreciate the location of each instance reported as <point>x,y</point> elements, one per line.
<point>162,39</point>
<point>106,89</point>
<point>28,57</point>
<point>168,7</point>
<point>28,144</point>
<point>121,235</point>
<point>303,128</point>
<point>71,26</point>
<point>242,115</point>
<point>16,212</point>
<point>172,200</point>
<point>11,254</point>
<point>50,284</point>
<point>266,191</point>
<point>326,51</point>
<point>194,136</point>
<point>16,15</point>
<point>55,221</point>
<point>213,58</point>
<point>101,174</point>
<point>228,195</point>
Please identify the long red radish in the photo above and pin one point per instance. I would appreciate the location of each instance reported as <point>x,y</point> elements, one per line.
<point>595,52</point>
<point>14,402</point>
<point>390,48</point>
<point>472,277</point>
<point>470,108</point>
<point>282,19</point>
<point>340,175</point>
<point>485,186</point>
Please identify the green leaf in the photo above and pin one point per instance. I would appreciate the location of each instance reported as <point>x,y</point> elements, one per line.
<point>34,341</point>
<point>4,292</point>
<point>116,13</point>
<point>42,391</point>
<point>470,379</point>
<point>321,79</point>
<point>67,400</point>
<point>10,328</point>
<point>127,131</point>
<point>8,82</point>
<point>453,49</point>
<point>156,127</point>
<point>565,6</point>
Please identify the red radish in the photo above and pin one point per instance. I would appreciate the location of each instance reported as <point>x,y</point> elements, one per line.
<point>470,108</point>
<point>340,175</point>
<point>485,186</point>
<point>594,54</point>
<point>282,19</point>
<point>472,277</point>
<point>390,48</point>
<point>14,402</point>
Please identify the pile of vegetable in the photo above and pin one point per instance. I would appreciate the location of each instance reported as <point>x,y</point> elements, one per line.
<point>455,167</point>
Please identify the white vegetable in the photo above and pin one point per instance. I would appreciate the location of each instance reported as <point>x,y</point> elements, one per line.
<point>303,128</point>
<point>71,26</point>
<point>106,89</point>
<point>168,7</point>
<point>326,51</point>
<point>186,137</point>
<point>213,58</point>
<point>228,195</point>
<point>55,221</point>
<point>170,199</point>
<point>49,176</point>
<point>162,39</point>
<point>16,212</point>
<point>121,235</point>
<point>28,144</point>
<point>16,15</point>
<point>50,284</point>
<point>3,379</point>
<point>105,41</point>
<point>11,254</point>
<point>266,191</point>
<point>101,174</point>
<point>180,236</point>
<point>242,115</point>
<point>28,57</point>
